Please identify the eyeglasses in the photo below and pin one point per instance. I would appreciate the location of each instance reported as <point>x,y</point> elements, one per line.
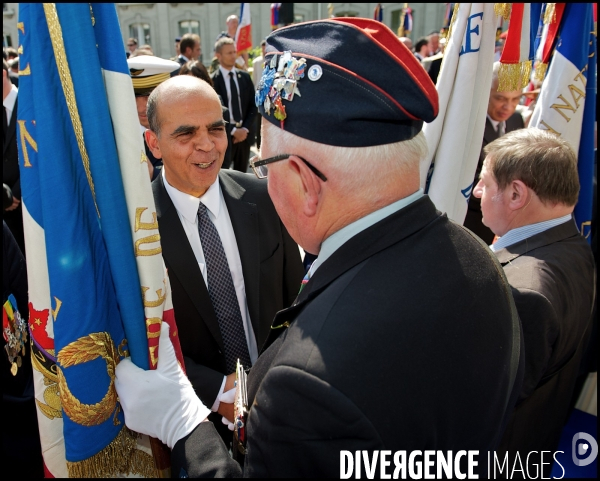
<point>259,166</point>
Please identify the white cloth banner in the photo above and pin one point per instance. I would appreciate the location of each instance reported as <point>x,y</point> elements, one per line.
<point>561,96</point>
<point>455,137</point>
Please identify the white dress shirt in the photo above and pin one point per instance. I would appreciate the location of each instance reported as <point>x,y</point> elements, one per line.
<point>187,210</point>
<point>9,102</point>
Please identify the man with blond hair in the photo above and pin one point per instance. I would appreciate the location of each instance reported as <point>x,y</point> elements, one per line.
<point>237,91</point>
<point>528,189</point>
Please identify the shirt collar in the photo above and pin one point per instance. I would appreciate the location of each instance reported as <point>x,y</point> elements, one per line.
<point>339,238</point>
<point>524,232</point>
<point>493,122</point>
<point>187,205</point>
<point>184,57</point>
<point>11,98</point>
<point>225,72</point>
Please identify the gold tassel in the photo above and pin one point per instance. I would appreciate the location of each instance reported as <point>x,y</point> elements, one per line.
<point>503,10</point>
<point>525,73</point>
<point>540,71</point>
<point>509,77</point>
<point>550,14</point>
<point>119,457</point>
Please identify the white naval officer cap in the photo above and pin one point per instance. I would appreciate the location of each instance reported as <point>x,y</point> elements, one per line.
<point>147,72</point>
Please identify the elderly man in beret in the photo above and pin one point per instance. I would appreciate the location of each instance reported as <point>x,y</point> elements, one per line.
<point>404,335</point>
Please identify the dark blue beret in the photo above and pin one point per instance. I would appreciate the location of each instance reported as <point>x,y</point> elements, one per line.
<point>347,82</point>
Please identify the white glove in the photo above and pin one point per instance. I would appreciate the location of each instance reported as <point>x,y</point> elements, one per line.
<point>160,403</point>
<point>228,398</point>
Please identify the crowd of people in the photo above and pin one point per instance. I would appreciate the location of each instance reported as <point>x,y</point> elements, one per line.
<point>407,331</point>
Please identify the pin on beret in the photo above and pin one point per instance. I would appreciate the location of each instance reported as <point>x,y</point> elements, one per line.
<point>347,82</point>
<point>147,72</point>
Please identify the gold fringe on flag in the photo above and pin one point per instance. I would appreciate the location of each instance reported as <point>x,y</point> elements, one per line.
<point>513,76</point>
<point>452,22</point>
<point>540,71</point>
<point>525,73</point>
<point>503,10</point>
<point>550,14</point>
<point>119,457</point>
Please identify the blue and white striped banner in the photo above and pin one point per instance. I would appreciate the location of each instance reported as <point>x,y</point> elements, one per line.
<point>90,225</point>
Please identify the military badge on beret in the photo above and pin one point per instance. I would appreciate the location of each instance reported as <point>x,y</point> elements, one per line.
<point>280,82</point>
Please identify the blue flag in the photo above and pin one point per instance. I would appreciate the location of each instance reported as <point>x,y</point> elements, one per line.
<point>84,286</point>
<point>585,163</point>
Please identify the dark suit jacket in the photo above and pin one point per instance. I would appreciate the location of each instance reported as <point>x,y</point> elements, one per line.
<point>402,340</point>
<point>10,167</point>
<point>12,177</point>
<point>474,216</point>
<point>249,110</point>
<point>552,276</point>
<point>270,262</point>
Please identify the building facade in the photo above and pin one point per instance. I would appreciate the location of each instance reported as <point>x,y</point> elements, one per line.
<point>158,24</point>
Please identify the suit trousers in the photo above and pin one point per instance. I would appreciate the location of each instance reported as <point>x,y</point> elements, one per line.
<point>240,154</point>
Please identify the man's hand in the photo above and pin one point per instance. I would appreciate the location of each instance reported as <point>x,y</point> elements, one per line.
<point>160,403</point>
<point>15,204</point>
<point>239,135</point>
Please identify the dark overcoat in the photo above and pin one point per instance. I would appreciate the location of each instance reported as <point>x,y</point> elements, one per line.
<point>406,338</point>
<point>552,277</point>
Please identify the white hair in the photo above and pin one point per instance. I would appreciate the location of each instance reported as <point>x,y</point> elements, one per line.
<point>352,165</point>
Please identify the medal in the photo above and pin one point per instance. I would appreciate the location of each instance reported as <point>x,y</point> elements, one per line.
<point>14,330</point>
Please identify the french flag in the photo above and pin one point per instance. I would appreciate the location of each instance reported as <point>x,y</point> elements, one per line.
<point>243,36</point>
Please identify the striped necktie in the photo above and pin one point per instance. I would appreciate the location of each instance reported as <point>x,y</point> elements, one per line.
<point>501,129</point>
<point>304,280</point>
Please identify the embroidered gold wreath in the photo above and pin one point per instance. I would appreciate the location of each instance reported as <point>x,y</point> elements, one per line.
<point>82,350</point>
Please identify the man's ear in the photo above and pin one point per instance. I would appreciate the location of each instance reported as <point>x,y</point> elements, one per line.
<point>152,141</point>
<point>310,185</point>
<point>519,195</point>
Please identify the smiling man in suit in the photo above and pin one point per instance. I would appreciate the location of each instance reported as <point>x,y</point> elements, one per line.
<point>231,263</point>
<point>237,90</point>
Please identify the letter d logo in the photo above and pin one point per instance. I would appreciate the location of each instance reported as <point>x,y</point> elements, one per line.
<point>584,449</point>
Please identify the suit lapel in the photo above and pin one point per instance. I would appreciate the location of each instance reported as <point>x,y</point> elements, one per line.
<point>388,231</point>
<point>244,220</point>
<point>489,134</point>
<point>550,236</point>
<point>221,80</point>
<point>243,93</point>
<point>180,258</point>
